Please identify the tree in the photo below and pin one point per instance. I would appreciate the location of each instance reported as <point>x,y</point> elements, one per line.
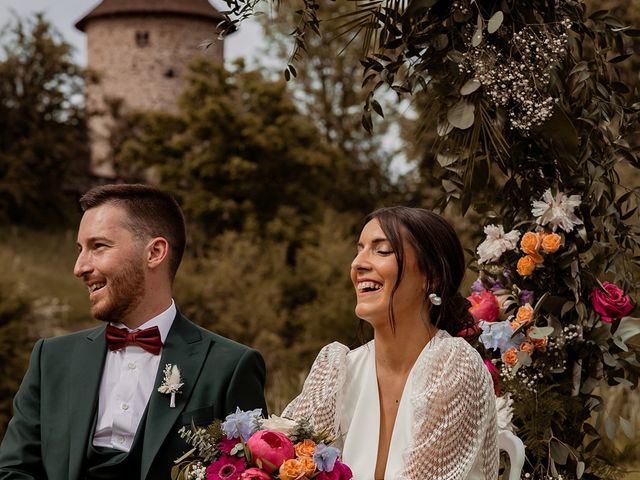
<point>43,142</point>
<point>328,90</point>
<point>238,155</point>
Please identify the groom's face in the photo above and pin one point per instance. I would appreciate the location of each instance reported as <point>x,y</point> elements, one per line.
<point>111,264</point>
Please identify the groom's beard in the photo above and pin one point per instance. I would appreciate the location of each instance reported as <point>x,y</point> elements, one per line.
<point>125,292</point>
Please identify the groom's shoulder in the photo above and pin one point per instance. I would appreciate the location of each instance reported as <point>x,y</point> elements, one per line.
<point>219,340</point>
<point>66,342</point>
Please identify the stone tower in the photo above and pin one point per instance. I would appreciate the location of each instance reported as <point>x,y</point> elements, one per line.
<point>140,51</point>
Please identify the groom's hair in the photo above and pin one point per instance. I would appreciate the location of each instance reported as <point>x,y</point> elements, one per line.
<point>150,211</point>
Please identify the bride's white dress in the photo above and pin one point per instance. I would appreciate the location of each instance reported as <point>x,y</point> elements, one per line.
<point>445,428</point>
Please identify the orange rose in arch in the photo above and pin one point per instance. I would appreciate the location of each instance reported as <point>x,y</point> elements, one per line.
<point>530,243</point>
<point>526,265</point>
<point>523,316</point>
<point>551,242</point>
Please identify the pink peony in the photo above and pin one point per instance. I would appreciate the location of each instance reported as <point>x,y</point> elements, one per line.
<point>226,445</point>
<point>484,306</point>
<point>495,375</point>
<point>611,304</point>
<point>271,448</point>
<point>340,472</point>
<point>255,474</point>
<point>226,468</point>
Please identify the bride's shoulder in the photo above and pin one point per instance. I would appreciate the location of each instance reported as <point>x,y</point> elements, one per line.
<point>456,351</point>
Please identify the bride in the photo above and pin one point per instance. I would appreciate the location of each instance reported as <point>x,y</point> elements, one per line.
<point>415,402</point>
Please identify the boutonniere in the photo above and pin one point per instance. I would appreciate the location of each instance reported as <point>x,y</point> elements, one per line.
<point>171,383</point>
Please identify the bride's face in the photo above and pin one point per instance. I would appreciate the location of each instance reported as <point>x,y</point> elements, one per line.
<point>374,272</point>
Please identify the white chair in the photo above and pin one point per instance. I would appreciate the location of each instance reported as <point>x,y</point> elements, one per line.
<point>514,447</point>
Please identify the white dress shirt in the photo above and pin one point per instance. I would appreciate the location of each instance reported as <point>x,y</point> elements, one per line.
<point>126,386</point>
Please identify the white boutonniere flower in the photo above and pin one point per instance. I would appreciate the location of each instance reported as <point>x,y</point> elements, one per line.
<point>171,383</point>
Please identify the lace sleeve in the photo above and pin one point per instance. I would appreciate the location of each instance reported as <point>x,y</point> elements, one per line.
<point>455,425</point>
<point>319,397</point>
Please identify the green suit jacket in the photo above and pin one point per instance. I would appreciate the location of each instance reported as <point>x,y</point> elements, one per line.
<point>54,410</point>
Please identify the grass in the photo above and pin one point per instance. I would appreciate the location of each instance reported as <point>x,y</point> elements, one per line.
<point>41,263</point>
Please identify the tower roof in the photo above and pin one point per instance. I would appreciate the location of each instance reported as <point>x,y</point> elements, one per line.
<point>111,8</point>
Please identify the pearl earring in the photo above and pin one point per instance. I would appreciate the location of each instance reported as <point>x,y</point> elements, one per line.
<point>435,299</point>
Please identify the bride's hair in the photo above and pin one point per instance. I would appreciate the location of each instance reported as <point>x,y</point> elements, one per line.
<point>440,257</point>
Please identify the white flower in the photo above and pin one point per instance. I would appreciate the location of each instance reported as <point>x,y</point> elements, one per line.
<point>496,243</point>
<point>556,212</point>
<point>505,412</point>
<point>278,424</point>
<point>171,383</point>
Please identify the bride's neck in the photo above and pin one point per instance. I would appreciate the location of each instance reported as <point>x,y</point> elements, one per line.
<point>398,350</point>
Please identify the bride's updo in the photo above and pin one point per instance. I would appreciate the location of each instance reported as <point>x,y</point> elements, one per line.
<point>440,257</point>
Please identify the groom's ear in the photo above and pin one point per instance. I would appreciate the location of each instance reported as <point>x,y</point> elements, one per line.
<point>156,252</point>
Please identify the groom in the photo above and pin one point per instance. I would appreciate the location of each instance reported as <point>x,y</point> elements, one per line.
<point>89,406</point>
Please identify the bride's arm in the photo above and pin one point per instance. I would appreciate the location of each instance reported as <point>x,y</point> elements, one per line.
<point>455,416</point>
<point>318,400</point>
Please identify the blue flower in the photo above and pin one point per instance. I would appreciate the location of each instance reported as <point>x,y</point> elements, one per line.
<point>497,336</point>
<point>477,286</point>
<point>325,457</point>
<point>241,424</point>
<point>526,296</point>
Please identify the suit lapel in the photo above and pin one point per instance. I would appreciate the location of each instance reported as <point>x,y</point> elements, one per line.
<point>86,371</point>
<point>186,348</point>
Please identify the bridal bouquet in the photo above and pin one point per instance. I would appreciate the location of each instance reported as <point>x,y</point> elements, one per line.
<point>247,447</point>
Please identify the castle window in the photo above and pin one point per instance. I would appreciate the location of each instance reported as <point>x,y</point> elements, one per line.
<point>142,39</point>
<point>170,73</point>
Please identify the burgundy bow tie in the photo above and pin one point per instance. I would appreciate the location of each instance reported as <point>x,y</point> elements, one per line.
<point>149,338</point>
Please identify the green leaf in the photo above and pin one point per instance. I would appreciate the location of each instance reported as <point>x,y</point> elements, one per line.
<point>610,427</point>
<point>495,21</point>
<point>377,108</point>
<point>539,333</point>
<point>589,385</point>
<point>462,115</point>
<point>446,159</point>
<point>627,428</point>
<point>470,86</point>
<point>477,35</point>
<point>628,328</point>
<point>620,58</point>
<point>559,452</point>
<point>623,381</point>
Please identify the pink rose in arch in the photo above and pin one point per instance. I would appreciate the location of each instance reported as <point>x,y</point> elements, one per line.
<point>484,306</point>
<point>611,303</point>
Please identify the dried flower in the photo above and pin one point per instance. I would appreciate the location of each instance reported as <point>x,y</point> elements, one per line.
<point>171,383</point>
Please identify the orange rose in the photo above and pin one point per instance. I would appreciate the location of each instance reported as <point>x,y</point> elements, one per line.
<point>292,470</point>
<point>527,347</point>
<point>530,243</point>
<point>306,448</point>
<point>510,357</point>
<point>539,343</point>
<point>526,265</point>
<point>551,242</point>
<point>308,464</point>
<point>524,316</point>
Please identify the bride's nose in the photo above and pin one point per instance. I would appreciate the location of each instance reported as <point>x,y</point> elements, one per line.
<point>360,262</point>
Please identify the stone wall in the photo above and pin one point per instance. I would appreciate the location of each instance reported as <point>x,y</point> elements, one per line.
<point>142,62</point>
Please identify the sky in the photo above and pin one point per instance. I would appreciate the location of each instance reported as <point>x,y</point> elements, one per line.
<point>64,13</point>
